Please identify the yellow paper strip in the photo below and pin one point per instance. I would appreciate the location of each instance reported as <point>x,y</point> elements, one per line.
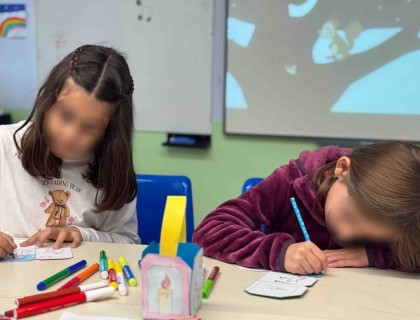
<point>173,225</point>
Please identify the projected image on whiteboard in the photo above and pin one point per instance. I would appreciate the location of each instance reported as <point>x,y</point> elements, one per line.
<point>391,89</point>
<point>325,57</point>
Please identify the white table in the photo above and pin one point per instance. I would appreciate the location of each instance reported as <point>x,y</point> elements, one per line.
<point>340,294</point>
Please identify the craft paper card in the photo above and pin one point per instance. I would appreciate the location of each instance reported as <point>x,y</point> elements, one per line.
<point>22,253</point>
<point>281,285</point>
<point>280,277</point>
<point>34,253</point>
<point>51,254</point>
<point>172,273</point>
<point>318,275</point>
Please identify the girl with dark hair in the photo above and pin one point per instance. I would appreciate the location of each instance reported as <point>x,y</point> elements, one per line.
<point>67,172</point>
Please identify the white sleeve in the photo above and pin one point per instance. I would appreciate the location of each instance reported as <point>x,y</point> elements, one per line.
<point>112,226</point>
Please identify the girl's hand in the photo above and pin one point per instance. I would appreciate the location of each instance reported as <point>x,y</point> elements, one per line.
<point>7,245</point>
<point>59,234</point>
<point>305,258</point>
<point>350,257</point>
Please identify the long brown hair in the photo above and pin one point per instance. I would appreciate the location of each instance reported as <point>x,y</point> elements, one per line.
<point>384,179</point>
<point>104,73</point>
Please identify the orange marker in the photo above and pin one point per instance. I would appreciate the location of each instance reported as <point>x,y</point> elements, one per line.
<point>82,276</point>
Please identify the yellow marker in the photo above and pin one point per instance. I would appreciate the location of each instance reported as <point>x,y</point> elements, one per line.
<point>111,274</point>
<point>127,271</point>
<point>173,225</point>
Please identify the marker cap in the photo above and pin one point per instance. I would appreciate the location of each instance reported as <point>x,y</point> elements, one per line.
<point>132,282</point>
<point>92,286</point>
<point>111,264</point>
<point>100,293</point>
<point>207,288</point>
<point>41,286</point>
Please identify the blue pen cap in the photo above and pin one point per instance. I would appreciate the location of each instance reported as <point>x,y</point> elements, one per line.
<point>41,286</point>
<point>77,266</point>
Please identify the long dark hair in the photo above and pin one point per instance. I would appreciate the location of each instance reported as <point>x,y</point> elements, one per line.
<point>104,73</point>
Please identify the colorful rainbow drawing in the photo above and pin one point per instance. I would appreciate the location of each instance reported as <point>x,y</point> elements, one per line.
<point>10,24</point>
<point>12,19</point>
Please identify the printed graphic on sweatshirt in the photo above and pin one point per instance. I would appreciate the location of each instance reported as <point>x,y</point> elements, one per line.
<point>56,204</point>
<point>61,183</point>
<point>58,210</point>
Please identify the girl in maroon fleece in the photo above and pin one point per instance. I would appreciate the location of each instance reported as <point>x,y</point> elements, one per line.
<point>361,208</point>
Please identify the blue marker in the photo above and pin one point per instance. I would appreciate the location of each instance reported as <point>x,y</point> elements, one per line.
<point>300,220</point>
<point>128,273</point>
<point>301,223</point>
<point>60,275</point>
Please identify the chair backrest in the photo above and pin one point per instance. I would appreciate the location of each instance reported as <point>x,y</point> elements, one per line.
<point>250,183</point>
<point>151,200</point>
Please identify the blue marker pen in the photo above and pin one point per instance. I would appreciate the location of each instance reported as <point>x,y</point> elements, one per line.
<point>301,223</point>
<point>60,275</point>
<point>300,220</point>
<point>128,273</point>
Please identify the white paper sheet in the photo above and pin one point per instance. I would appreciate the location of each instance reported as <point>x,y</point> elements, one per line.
<point>72,316</point>
<point>51,254</point>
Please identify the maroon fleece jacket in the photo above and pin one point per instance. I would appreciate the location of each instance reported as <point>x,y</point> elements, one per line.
<point>232,232</point>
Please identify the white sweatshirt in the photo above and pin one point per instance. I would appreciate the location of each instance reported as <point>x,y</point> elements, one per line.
<point>27,205</point>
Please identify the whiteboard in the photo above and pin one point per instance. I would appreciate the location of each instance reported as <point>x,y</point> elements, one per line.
<point>169,51</point>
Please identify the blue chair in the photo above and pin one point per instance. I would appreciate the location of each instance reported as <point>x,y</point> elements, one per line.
<point>151,200</point>
<point>248,185</point>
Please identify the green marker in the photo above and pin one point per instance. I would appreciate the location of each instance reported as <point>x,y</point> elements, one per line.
<point>208,285</point>
<point>104,265</point>
<point>60,275</point>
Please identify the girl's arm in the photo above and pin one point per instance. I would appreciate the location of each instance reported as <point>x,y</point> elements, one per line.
<point>232,232</point>
<point>115,226</point>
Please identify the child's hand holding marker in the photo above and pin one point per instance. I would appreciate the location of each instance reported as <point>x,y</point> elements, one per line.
<point>7,245</point>
<point>305,257</point>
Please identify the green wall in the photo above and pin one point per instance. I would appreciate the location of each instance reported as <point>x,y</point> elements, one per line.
<point>218,173</point>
